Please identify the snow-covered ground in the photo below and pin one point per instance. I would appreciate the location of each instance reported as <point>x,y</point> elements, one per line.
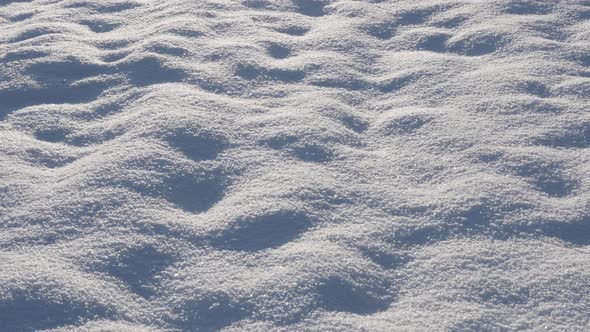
<point>284,165</point>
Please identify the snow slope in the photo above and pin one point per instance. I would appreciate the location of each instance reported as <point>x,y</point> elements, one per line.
<point>281,165</point>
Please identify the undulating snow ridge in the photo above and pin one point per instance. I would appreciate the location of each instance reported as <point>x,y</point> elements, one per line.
<point>289,165</point>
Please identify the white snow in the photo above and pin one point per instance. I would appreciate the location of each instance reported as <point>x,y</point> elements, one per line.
<point>294,165</point>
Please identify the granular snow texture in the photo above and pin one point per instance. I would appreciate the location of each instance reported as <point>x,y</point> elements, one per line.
<point>294,165</point>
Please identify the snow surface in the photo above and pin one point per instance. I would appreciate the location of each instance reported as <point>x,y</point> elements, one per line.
<point>282,165</point>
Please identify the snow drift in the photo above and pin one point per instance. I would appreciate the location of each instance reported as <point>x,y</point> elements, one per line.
<point>294,165</point>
